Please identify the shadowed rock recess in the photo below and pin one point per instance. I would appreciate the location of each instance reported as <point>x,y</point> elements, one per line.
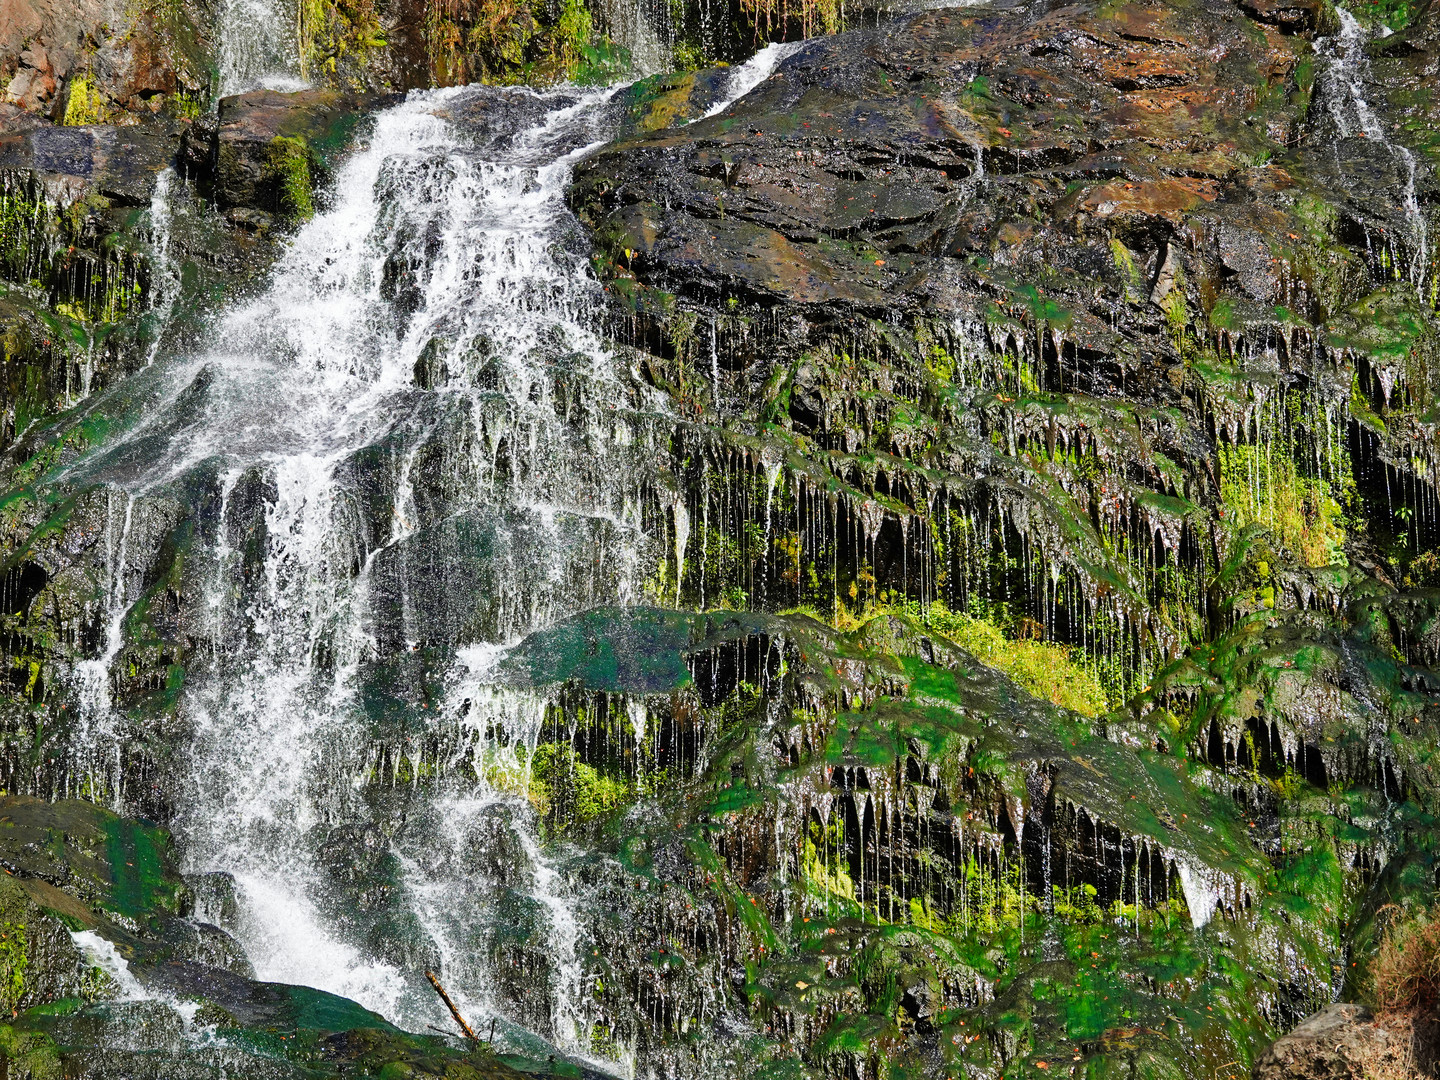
<point>914,555</point>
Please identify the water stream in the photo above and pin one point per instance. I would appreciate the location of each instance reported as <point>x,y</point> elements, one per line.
<point>1353,115</point>
<point>412,436</point>
<point>257,46</point>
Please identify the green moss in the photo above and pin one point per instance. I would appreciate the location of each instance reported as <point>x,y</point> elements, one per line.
<point>1042,308</point>
<point>289,167</point>
<point>1395,14</point>
<point>603,62</point>
<point>572,32</point>
<point>29,1054</point>
<point>568,790</point>
<point>336,37</point>
<point>141,879</point>
<point>1177,318</point>
<point>85,104</point>
<point>1130,277</point>
<point>1050,671</point>
<point>14,962</point>
<point>1262,487</point>
<point>660,102</point>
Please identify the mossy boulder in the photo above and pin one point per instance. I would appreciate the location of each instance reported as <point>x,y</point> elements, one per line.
<point>38,961</point>
<point>269,151</point>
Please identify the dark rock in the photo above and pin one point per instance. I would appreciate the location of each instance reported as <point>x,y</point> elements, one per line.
<point>36,953</point>
<point>872,170</point>
<point>117,163</point>
<point>252,1004</point>
<point>215,900</point>
<point>1291,16</point>
<point>244,152</point>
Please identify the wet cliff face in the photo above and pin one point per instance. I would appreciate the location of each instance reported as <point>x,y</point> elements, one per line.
<point>924,566</point>
<point>1091,321</point>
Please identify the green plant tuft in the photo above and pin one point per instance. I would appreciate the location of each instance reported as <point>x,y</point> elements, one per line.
<point>289,165</point>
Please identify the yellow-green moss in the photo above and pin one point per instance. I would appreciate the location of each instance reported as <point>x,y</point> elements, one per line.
<point>1046,669</point>
<point>573,31</point>
<point>1128,271</point>
<point>29,1054</point>
<point>331,34</point>
<point>565,787</point>
<point>85,105</point>
<point>1262,487</point>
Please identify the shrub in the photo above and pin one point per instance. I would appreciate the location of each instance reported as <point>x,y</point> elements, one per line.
<point>1405,974</point>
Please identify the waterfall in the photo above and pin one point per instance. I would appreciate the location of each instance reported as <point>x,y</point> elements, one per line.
<point>1353,115</point>
<point>409,449</point>
<point>412,438</point>
<point>257,46</point>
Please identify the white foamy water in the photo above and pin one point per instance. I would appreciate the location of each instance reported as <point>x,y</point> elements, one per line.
<point>413,433</point>
<point>747,76</point>
<point>102,953</point>
<point>1353,115</point>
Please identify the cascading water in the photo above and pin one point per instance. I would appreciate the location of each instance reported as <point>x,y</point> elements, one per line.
<point>165,276</point>
<point>409,451</point>
<point>97,745</point>
<point>747,76</point>
<point>257,46</point>
<point>412,436</point>
<point>1349,70</point>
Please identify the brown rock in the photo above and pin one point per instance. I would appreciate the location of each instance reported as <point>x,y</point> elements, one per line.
<point>1340,1042</point>
<point>1169,200</point>
<point>129,57</point>
<point>879,170</point>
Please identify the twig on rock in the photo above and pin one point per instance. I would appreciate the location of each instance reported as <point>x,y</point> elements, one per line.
<point>453,1010</point>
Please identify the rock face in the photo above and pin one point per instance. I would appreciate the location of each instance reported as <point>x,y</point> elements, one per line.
<point>1341,1041</point>
<point>1028,413</point>
<point>1147,213</point>
<point>93,60</point>
<point>870,173</point>
<point>1030,297</point>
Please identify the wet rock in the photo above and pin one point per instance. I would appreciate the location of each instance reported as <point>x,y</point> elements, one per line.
<point>115,863</point>
<point>38,961</point>
<point>877,171</point>
<point>264,140</point>
<point>119,164</point>
<point>366,897</point>
<point>215,897</point>
<point>1306,15</point>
